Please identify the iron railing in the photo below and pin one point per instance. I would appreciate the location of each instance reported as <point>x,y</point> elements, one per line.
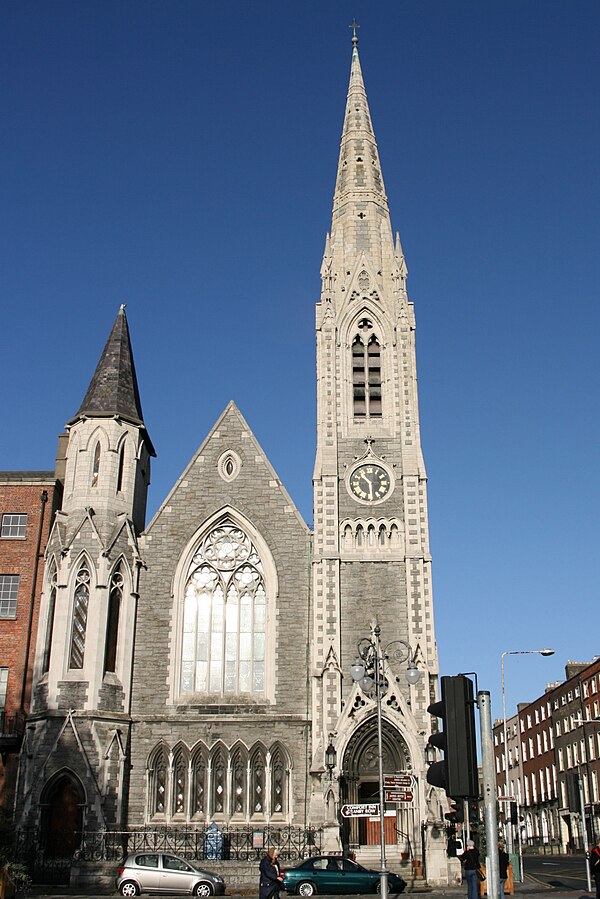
<point>242,843</point>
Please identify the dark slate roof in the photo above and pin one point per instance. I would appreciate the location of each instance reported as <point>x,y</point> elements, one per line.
<point>114,389</point>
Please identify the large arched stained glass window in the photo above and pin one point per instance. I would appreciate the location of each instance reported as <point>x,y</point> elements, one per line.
<point>224,619</point>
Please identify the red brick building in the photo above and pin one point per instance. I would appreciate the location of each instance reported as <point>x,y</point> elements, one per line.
<point>577,737</point>
<point>28,500</point>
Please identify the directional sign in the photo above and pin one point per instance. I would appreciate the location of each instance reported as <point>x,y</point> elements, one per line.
<point>360,810</point>
<point>399,795</point>
<point>398,781</point>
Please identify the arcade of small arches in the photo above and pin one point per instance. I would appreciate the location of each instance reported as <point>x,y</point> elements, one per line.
<point>224,783</point>
<point>362,534</point>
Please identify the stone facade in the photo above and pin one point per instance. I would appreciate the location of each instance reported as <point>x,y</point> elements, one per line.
<point>197,668</point>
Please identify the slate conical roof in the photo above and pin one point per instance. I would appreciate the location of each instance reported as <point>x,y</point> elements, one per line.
<point>113,390</point>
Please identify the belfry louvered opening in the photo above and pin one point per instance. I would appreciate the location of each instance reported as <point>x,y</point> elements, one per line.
<point>366,372</point>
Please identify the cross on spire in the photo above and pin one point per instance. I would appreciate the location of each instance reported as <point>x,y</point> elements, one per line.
<point>354,26</point>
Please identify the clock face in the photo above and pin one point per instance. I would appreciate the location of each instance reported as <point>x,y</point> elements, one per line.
<point>370,482</point>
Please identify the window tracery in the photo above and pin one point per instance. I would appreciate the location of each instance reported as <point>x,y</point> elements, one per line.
<point>257,789</point>
<point>50,622</point>
<point>225,782</point>
<point>199,784</point>
<point>159,783</point>
<point>96,465</point>
<point>121,469</point>
<point>366,372</point>
<point>81,598</point>
<point>180,769</point>
<point>224,618</point>
<point>115,598</point>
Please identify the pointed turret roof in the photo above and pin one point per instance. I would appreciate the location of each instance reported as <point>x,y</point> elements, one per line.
<point>113,390</point>
<point>359,176</point>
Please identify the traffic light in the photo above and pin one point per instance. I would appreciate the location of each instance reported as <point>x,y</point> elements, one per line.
<point>514,813</point>
<point>457,772</point>
<point>456,815</point>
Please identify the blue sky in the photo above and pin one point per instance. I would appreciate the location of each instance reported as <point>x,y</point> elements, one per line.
<point>180,157</point>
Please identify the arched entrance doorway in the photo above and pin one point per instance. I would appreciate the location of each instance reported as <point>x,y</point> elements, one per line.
<point>62,802</point>
<point>359,783</point>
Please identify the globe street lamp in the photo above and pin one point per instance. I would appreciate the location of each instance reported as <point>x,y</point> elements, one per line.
<point>507,793</point>
<point>368,672</point>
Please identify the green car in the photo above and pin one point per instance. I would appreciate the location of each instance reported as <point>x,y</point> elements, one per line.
<point>334,874</point>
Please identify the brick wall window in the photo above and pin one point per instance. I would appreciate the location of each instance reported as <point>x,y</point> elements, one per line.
<point>14,525</point>
<point>9,588</point>
<point>3,686</point>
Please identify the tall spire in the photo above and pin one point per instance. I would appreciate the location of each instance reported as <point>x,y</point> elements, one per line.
<point>361,224</point>
<point>359,178</point>
<point>114,389</point>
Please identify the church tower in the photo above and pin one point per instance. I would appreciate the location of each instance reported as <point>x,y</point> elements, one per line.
<point>371,543</point>
<point>78,730</point>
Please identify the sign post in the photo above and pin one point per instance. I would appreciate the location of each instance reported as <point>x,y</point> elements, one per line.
<point>360,810</point>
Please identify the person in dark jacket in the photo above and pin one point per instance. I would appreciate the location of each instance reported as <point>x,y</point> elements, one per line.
<point>503,863</point>
<point>270,876</point>
<point>470,862</point>
<point>594,860</point>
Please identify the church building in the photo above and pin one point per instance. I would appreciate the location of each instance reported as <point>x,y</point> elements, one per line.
<point>196,668</point>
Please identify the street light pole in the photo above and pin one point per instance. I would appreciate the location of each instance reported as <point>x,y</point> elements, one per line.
<point>368,672</point>
<point>508,831</point>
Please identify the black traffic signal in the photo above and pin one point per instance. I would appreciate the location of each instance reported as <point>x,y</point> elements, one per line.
<point>456,815</point>
<point>457,772</point>
<point>514,813</point>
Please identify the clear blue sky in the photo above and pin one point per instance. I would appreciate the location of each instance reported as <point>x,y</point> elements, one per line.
<point>180,157</point>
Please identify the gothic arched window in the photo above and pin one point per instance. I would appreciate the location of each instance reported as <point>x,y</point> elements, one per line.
<point>50,622</point>
<point>239,769</point>
<point>115,597</point>
<point>81,599</point>
<point>199,783</point>
<point>279,774</point>
<point>257,786</point>
<point>158,783</point>
<point>366,372</point>
<point>121,469</point>
<point>224,618</point>
<point>219,783</point>
<point>96,466</point>
<point>179,784</point>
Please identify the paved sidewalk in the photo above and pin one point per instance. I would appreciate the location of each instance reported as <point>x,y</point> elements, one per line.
<point>529,889</point>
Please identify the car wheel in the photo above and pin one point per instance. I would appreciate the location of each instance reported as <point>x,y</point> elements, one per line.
<point>306,888</point>
<point>128,888</point>
<point>378,886</point>
<point>203,889</point>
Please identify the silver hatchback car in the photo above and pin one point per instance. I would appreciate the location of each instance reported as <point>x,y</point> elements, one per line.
<point>160,872</point>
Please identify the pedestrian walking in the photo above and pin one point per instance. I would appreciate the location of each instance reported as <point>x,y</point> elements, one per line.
<point>470,862</point>
<point>271,877</point>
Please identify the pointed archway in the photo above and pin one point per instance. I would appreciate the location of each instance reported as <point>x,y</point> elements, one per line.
<point>62,801</point>
<point>360,781</point>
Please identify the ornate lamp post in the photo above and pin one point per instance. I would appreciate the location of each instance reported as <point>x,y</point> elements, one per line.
<point>368,672</point>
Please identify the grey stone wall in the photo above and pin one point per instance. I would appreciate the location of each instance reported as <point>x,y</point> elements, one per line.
<point>256,495</point>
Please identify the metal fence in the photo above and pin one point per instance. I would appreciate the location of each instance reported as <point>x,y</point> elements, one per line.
<point>241,843</point>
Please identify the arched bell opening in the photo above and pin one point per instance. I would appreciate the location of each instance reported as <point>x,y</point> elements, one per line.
<point>359,784</point>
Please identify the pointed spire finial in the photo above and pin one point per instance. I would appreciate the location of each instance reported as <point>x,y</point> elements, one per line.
<point>354,26</point>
